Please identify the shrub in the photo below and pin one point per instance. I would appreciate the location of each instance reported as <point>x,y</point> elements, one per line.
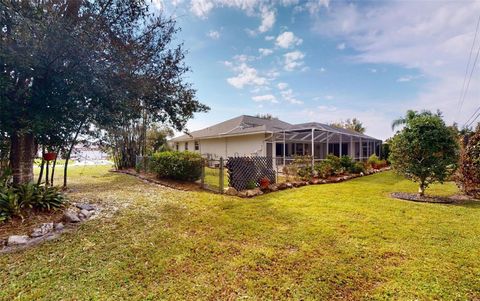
<point>425,151</point>
<point>301,167</point>
<point>358,167</point>
<point>347,163</point>
<point>335,163</point>
<point>183,166</point>
<point>324,169</point>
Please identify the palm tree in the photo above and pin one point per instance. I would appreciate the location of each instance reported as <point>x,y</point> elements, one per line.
<point>410,115</point>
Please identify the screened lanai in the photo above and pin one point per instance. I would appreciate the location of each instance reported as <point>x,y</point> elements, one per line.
<point>318,140</point>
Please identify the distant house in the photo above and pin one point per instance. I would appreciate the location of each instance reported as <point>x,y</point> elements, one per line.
<point>253,136</point>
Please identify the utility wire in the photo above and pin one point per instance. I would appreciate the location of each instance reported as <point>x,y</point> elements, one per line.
<point>464,90</point>
<point>468,123</point>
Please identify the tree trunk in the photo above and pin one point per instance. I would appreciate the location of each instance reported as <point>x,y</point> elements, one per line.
<point>22,154</point>
<point>69,153</point>
<point>421,189</point>
<point>41,167</point>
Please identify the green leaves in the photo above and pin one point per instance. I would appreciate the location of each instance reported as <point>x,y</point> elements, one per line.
<point>426,150</point>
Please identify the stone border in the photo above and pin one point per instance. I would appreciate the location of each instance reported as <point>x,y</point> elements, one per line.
<point>76,214</point>
<point>288,185</point>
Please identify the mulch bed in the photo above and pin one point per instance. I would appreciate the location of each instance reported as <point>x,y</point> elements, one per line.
<point>31,219</point>
<point>455,199</point>
<point>152,178</point>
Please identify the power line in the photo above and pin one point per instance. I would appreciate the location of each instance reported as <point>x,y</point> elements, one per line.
<point>467,124</point>
<point>463,93</point>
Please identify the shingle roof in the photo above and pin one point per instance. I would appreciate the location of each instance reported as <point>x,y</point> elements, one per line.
<point>243,124</point>
<point>246,124</point>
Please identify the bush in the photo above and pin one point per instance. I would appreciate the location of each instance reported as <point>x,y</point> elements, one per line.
<point>347,163</point>
<point>183,166</point>
<point>358,167</point>
<point>335,163</point>
<point>14,200</point>
<point>324,169</point>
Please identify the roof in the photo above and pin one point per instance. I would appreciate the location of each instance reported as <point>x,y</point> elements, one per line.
<point>241,125</point>
<point>328,128</point>
<point>245,124</point>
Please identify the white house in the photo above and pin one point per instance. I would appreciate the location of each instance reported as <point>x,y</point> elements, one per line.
<point>249,136</point>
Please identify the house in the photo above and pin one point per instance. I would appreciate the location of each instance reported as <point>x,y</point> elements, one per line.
<point>254,136</point>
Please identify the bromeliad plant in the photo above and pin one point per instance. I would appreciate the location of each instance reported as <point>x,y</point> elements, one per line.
<point>14,200</point>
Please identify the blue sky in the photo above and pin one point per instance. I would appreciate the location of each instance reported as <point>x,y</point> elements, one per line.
<point>327,61</point>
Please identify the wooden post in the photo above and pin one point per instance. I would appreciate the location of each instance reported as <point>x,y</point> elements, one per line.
<point>221,175</point>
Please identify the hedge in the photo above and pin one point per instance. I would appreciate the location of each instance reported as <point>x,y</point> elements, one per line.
<point>183,166</point>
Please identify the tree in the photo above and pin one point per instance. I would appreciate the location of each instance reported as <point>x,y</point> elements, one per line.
<point>425,150</point>
<point>267,116</point>
<point>157,139</point>
<point>69,65</point>
<point>351,124</point>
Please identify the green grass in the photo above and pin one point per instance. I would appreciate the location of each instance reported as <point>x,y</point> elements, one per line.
<point>337,241</point>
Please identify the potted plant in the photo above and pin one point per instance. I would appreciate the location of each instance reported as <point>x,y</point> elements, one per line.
<point>264,182</point>
<point>50,156</point>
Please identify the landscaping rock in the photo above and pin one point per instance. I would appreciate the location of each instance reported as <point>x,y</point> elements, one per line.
<point>253,192</point>
<point>59,227</point>
<point>314,181</point>
<point>71,217</point>
<point>15,240</point>
<point>282,186</point>
<point>273,187</point>
<point>242,194</point>
<point>44,229</point>
<point>362,174</point>
<point>230,191</point>
<point>85,207</point>
<point>85,214</point>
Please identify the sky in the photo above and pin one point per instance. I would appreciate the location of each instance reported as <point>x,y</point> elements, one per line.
<point>326,61</point>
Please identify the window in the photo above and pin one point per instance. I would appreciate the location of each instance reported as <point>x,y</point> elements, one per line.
<point>186,146</point>
<point>177,145</point>
<point>197,146</point>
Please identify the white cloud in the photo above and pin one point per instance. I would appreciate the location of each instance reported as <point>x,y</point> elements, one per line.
<point>268,20</point>
<point>408,78</point>
<point>329,97</point>
<point>201,8</point>
<point>269,38</point>
<point>158,4</point>
<point>288,96</point>
<point>432,37</point>
<point>341,46</point>
<point>327,108</point>
<point>293,60</point>
<point>282,86</point>
<point>322,69</point>
<point>288,40</point>
<point>373,70</point>
<point>246,76</point>
<point>213,34</point>
<point>265,51</point>
<point>265,98</point>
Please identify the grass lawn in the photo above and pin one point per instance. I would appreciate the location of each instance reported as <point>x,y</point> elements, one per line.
<point>336,241</point>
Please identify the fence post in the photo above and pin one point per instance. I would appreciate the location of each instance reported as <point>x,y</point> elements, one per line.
<point>202,177</point>
<point>221,174</point>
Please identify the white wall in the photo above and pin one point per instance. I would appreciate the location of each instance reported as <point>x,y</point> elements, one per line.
<point>230,146</point>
